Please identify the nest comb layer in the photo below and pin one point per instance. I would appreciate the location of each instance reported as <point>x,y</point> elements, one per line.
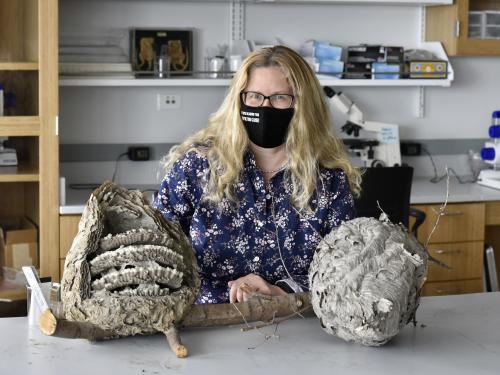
<point>128,271</point>
<point>365,280</point>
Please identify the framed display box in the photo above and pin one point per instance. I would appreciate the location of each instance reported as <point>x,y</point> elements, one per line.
<point>148,44</point>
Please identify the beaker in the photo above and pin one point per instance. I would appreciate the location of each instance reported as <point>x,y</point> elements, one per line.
<point>162,63</point>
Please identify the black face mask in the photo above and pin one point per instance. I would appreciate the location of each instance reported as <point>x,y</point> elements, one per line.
<point>266,126</point>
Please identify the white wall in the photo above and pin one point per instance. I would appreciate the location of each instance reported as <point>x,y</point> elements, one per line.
<point>125,115</point>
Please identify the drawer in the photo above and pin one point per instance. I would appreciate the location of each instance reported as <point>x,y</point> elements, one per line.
<point>459,223</point>
<point>464,258</point>
<point>68,228</point>
<point>444,288</point>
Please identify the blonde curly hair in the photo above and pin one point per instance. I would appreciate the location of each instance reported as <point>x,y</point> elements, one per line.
<point>310,142</point>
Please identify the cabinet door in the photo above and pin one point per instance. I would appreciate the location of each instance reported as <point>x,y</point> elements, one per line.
<point>452,287</point>
<point>450,25</point>
<point>459,223</point>
<point>465,260</point>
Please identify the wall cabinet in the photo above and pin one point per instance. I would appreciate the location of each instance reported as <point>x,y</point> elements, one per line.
<point>28,71</point>
<point>458,241</point>
<point>449,24</point>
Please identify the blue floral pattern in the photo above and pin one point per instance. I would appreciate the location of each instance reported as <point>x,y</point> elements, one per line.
<point>264,235</point>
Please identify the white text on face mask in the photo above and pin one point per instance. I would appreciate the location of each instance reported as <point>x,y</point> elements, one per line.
<point>249,119</point>
<point>251,114</point>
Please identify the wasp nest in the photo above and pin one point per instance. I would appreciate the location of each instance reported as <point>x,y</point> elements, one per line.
<point>365,280</point>
<point>128,271</point>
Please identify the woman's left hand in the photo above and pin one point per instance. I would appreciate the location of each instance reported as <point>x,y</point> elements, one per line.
<point>257,283</point>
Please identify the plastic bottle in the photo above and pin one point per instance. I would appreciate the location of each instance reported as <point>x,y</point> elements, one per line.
<point>494,130</point>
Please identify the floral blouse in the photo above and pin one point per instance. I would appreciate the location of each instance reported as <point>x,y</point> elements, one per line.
<point>264,235</point>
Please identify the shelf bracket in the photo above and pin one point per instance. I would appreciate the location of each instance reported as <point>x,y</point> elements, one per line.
<point>236,21</point>
<point>421,89</point>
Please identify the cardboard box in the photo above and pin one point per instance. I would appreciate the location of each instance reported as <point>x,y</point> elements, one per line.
<point>18,243</point>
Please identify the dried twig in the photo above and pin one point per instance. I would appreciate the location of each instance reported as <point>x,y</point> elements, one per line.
<point>276,321</point>
<point>440,213</point>
<point>442,208</point>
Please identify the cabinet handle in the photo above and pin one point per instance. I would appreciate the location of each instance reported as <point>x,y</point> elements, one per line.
<point>450,213</point>
<point>449,291</point>
<point>454,213</point>
<point>441,251</point>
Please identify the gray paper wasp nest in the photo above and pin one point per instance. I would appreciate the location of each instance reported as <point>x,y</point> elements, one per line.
<point>129,270</point>
<point>365,280</point>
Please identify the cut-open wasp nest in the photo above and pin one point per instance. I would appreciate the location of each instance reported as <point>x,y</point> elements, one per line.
<point>365,280</point>
<point>129,270</point>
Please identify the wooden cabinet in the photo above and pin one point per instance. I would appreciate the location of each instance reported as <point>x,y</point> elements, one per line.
<point>452,287</point>
<point>458,241</point>
<point>29,74</point>
<point>449,24</point>
<point>69,229</point>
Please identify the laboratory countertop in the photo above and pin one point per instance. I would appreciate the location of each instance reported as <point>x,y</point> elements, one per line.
<point>454,335</point>
<point>423,192</point>
<point>75,199</point>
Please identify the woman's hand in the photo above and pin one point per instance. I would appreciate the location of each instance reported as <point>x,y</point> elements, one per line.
<point>257,283</point>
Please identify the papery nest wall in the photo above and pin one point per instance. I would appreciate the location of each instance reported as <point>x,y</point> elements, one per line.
<point>366,278</point>
<point>129,271</point>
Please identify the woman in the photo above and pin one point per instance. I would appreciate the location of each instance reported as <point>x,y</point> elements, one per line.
<point>260,186</point>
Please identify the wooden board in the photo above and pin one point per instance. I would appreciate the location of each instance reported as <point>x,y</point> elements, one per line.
<point>19,126</point>
<point>49,139</point>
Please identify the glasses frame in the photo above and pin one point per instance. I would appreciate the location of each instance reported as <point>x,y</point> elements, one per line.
<point>244,93</point>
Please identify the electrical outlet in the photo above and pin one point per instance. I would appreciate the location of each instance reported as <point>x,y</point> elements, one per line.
<point>168,101</point>
<point>138,153</point>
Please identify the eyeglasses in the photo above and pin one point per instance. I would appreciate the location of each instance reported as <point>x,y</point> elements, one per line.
<point>256,99</point>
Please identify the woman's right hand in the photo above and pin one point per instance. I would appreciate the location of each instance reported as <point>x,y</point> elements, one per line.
<point>256,283</point>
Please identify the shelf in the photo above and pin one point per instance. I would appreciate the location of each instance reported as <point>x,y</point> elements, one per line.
<point>21,173</point>
<point>109,81</point>
<point>345,2</point>
<point>19,126</point>
<point>326,81</point>
<point>377,2</point>
<point>193,82</point>
<point>18,66</point>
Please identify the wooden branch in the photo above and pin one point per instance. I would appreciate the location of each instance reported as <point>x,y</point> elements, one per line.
<point>257,308</point>
<point>175,343</point>
<point>47,322</point>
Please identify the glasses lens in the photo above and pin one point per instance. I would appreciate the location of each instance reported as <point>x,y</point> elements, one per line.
<point>253,99</point>
<point>281,101</point>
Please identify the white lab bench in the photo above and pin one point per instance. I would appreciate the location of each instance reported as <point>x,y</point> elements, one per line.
<point>424,191</point>
<point>454,335</point>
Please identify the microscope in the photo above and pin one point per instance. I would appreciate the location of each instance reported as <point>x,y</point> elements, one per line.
<point>490,153</point>
<point>380,148</point>
<point>8,156</point>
